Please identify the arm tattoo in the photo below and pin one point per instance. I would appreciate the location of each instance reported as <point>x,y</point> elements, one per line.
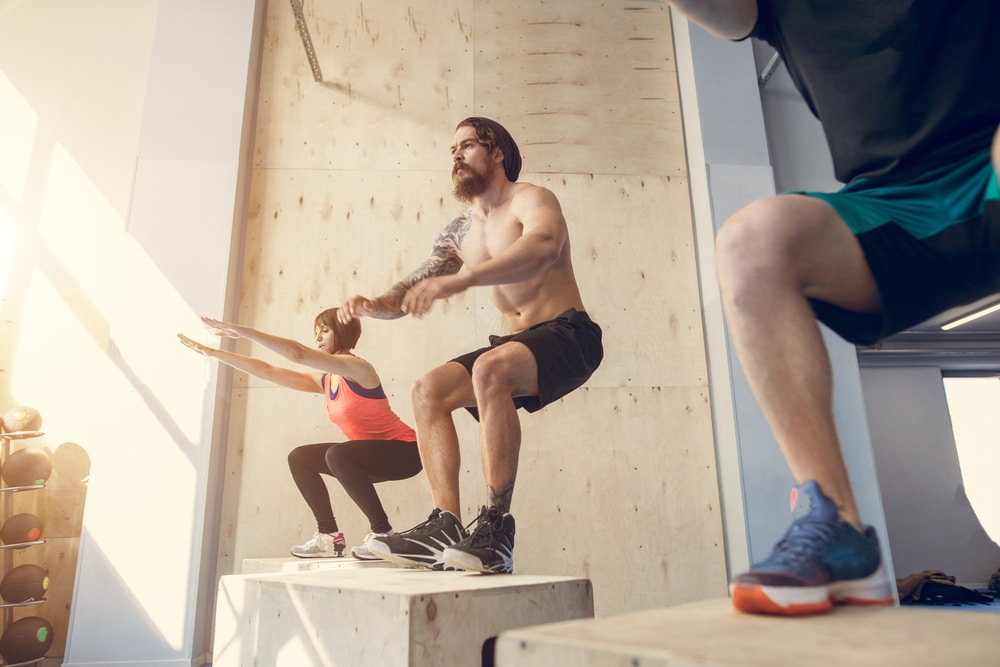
<point>500,498</point>
<point>444,261</point>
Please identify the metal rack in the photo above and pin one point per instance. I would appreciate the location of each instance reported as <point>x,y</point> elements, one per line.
<point>7,549</point>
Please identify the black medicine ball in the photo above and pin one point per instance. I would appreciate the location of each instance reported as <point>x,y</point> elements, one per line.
<point>21,528</point>
<point>26,639</point>
<point>30,466</point>
<point>23,583</point>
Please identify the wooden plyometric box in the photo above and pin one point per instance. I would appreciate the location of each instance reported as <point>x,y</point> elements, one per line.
<point>713,634</point>
<point>275,565</point>
<point>390,617</point>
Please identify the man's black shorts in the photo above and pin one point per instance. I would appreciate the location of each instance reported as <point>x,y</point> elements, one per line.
<point>567,350</point>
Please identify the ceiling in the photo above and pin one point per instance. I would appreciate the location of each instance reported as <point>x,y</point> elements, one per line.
<point>971,348</point>
<point>988,324</point>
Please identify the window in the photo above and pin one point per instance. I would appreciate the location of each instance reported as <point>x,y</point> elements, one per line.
<point>974,404</point>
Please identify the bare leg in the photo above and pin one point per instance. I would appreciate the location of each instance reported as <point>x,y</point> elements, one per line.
<point>435,396</point>
<point>772,256</point>
<point>996,151</point>
<point>506,371</point>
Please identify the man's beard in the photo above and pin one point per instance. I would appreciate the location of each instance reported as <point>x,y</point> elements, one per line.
<point>470,185</point>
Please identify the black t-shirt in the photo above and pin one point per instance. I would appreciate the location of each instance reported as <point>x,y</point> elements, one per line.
<point>899,85</point>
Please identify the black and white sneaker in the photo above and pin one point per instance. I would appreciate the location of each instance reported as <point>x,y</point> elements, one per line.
<point>489,548</point>
<point>424,544</point>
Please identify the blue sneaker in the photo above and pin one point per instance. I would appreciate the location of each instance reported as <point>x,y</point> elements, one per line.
<point>821,561</point>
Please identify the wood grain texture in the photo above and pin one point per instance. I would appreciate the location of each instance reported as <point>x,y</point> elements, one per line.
<point>711,634</point>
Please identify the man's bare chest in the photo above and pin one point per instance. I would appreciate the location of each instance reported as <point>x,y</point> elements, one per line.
<point>488,237</point>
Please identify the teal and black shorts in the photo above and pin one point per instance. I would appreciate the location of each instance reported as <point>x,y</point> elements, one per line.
<point>932,243</point>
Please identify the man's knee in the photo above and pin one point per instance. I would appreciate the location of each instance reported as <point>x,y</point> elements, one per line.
<point>771,236</point>
<point>996,151</point>
<point>495,371</point>
<point>730,240</point>
<point>421,391</point>
<point>747,241</point>
<point>433,388</point>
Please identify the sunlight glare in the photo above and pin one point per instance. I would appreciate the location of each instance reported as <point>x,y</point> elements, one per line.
<point>17,136</point>
<point>134,311</point>
<point>8,234</point>
<point>99,316</point>
<point>126,442</point>
<point>974,404</point>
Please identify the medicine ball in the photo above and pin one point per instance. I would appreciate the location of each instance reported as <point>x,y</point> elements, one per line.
<point>26,639</point>
<point>21,528</point>
<point>21,418</point>
<point>23,583</point>
<point>29,466</point>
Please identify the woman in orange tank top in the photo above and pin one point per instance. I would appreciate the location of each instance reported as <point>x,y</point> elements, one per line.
<point>379,446</point>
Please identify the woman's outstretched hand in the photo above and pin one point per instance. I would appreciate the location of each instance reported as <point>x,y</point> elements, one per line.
<point>194,345</point>
<point>224,329</point>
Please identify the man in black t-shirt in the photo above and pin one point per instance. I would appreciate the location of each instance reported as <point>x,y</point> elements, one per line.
<point>907,93</point>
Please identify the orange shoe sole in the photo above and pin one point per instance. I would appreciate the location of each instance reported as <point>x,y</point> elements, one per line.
<point>755,600</point>
<point>752,599</point>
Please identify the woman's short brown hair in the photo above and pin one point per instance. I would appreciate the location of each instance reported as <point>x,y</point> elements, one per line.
<point>345,336</point>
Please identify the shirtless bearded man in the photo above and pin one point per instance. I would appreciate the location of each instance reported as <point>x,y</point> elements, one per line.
<point>513,238</point>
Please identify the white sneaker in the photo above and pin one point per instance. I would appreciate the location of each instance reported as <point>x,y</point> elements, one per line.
<point>362,552</point>
<point>322,545</point>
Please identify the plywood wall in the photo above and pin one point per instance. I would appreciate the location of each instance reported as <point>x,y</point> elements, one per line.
<point>351,184</point>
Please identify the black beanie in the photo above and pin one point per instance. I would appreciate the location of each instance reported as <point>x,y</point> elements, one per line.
<point>503,140</point>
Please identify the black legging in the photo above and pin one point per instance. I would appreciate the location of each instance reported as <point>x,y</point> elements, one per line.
<point>358,464</point>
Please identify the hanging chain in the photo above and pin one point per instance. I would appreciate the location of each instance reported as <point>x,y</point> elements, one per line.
<point>300,22</point>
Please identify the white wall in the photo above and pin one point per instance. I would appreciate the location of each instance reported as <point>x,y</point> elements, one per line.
<point>932,524</point>
<point>120,184</point>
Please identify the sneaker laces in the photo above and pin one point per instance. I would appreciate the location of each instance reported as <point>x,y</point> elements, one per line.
<point>434,517</point>
<point>318,537</point>
<point>372,535</point>
<point>482,535</point>
<point>803,538</point>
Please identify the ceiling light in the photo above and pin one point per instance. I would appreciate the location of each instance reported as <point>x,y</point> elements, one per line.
<point>969,318</point>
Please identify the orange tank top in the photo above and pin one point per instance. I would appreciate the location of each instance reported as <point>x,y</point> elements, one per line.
<point>363,414</point>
